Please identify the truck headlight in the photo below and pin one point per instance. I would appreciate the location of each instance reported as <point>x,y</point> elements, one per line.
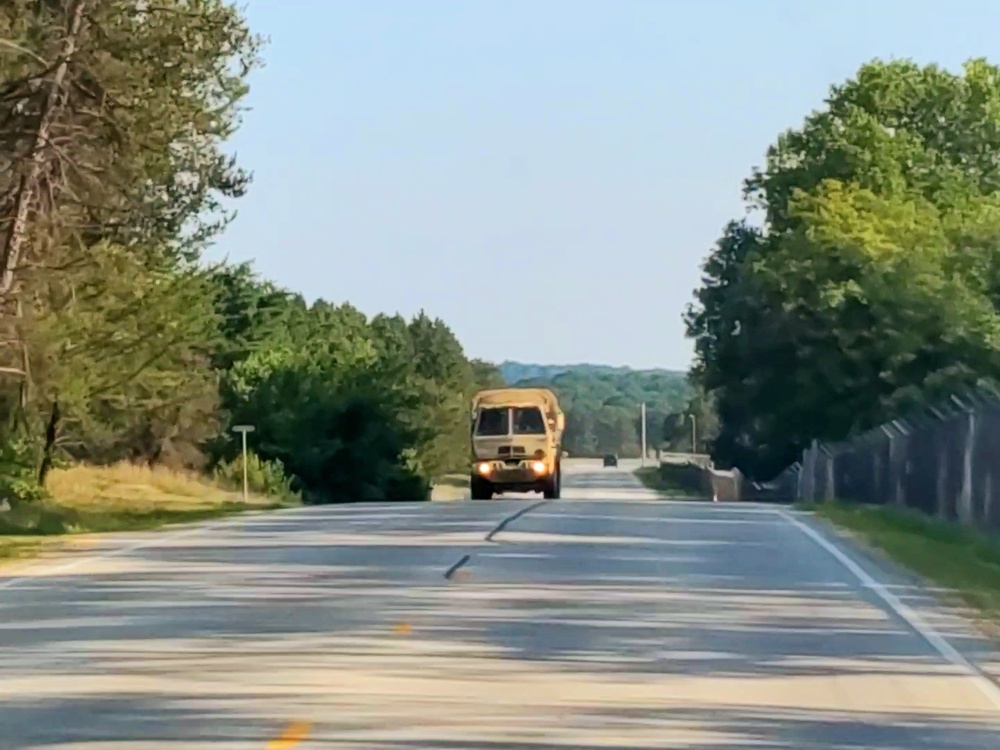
<point>484,468</point>
<point>538,467</point>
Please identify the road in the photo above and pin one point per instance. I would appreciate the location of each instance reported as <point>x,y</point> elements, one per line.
<point>606,619</point>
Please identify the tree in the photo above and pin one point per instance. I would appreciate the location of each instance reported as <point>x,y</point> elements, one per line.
<point>118,341</point>
<point>122,354</point>
<point>486,375</point>
<point>332,420</point>
<point>112,117</point>
<point>699,421</point>
<point>873,284</point>
<point>602,406</point>
<point>354,409</point>
<point>252,313</point>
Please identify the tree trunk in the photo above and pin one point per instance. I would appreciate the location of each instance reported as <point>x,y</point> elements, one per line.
<point>51,433</point>
<point>24,196</point>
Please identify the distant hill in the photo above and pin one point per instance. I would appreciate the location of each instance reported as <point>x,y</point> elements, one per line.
<point>602,403</point>
<point>515,372</point>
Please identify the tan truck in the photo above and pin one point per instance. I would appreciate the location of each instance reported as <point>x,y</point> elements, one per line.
<point>516,441</point>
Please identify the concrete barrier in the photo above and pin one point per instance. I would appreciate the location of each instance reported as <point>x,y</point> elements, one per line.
<point>695,473</point>
<point>727,486</point>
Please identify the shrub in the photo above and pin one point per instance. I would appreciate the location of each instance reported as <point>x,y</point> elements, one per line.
<point>263,477</point>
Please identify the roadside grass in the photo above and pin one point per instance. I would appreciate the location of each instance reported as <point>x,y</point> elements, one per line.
<point>18,547</point>
<point>123,497</point>
<point>450,487</point>
<point>668,482</point>
<point>961,560</point>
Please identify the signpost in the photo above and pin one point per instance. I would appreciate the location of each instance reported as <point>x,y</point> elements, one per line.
<point>243,429</point>
<point>642,413</point>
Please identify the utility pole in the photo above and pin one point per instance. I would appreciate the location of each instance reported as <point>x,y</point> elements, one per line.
<point>642,411</point>
<point>694,433</point>
<point>243,429</point>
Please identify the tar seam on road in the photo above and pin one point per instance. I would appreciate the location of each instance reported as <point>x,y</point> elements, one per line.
<point>510,519</point>
<point>451,571</point>
<point>948,652</point>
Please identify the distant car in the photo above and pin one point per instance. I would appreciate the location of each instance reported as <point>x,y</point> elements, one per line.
<point>611,460</point>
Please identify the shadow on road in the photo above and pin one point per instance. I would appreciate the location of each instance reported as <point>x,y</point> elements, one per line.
<point>589,624</point>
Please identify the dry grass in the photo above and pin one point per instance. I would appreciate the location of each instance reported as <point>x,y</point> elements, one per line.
<point>450,487</point>
<point>137,487</point>
<point>117,498</point>
<point>18,547</point>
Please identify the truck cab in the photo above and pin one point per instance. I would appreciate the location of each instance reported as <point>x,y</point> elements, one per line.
<point>516,439</point>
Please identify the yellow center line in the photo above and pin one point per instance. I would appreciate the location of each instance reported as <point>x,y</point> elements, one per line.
<point>294,734</point>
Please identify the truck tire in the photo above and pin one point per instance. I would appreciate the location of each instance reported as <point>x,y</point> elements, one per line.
<point>554,488</point>
<point>480,490</point>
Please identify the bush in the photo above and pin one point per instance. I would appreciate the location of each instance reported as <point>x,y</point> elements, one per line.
<point>263,477</point>
<point>687,476</point>
<point>19,472</point>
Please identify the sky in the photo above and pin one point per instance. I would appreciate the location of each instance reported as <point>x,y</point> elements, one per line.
<point>546,176</point>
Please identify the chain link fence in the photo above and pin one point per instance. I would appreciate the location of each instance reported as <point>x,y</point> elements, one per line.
<point>942,461</point>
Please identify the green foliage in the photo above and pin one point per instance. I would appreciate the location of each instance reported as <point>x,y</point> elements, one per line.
<point>353,409</point>
<point>698,422</point>
<point>487,375</point>
<point>123,344</point>
<point>602,406</point>
<point>683,479</point>
<point>676,481</point>
<point>516,372</point>
<point>18,472</point>
<point>873,285</point>
<point>111,322</point>
<point>266,478</point>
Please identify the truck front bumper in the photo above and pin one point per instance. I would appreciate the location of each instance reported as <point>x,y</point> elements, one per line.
<point>503,475</point>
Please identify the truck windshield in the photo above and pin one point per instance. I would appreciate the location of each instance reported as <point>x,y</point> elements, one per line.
<point>494,422</point>
<point>528,420</point>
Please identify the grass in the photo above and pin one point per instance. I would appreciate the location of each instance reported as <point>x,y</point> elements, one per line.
<point>123,497</point>
<point>18,547</point>
<point>670,483</point>
<point>961,560</point>
<point>450,487</point>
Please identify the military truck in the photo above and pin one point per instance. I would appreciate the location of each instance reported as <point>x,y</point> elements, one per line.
<point>516,439</point>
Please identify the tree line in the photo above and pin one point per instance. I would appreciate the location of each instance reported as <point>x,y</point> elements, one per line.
<point>119,341</point>
<point>871,285</point>
<point>602,406</point>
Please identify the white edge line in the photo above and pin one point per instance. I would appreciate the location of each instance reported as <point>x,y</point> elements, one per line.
<point>155,539</point>
<point>948,652</point>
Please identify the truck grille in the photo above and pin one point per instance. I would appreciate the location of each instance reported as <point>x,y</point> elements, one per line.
<point>507,450</point>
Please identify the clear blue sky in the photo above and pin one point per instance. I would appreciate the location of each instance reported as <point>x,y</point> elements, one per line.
<point>545,175</point>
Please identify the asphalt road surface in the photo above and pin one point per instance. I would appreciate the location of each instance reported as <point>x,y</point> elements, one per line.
<point>608,619</point>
